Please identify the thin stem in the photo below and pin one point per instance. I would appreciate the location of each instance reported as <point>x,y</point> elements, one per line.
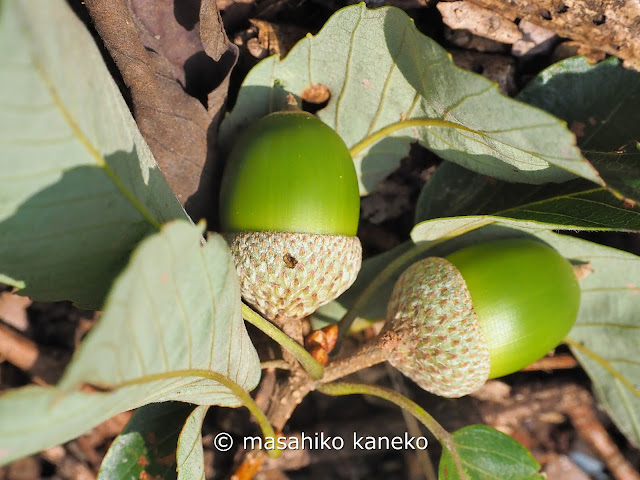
<point>394,127</point>
<point>296,388</point>
<point>239,392</point>
<point>312,367</point>
<point>367,356</point>
<point>281,364</point>
<point>413,426</point>
<point>347,388</point>
<point>93,151</point>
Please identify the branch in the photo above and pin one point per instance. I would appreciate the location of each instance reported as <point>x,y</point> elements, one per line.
<point>44,366</point>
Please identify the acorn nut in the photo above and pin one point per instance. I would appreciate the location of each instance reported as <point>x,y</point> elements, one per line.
<point>482,312</point>
<point>289,207</point>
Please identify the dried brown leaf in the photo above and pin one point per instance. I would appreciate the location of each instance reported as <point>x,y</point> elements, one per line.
<point>214,39</point>
<point>157,47</point>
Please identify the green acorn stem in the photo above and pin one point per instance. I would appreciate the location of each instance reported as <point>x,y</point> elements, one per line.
<point>446,440</point>
<point>288,344</point>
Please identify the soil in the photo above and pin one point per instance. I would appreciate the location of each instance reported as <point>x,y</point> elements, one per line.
<point>550,410</point>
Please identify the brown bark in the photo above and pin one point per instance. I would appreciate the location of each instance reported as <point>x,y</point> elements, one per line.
<point>612,26</point>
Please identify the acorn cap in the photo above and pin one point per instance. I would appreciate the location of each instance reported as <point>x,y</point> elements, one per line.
<point>288,275</point>
<point>442,348</point>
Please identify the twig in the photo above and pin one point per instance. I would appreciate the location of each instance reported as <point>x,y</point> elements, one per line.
<point>44,367</point>
<point>588,427</point>
<point>368,355</point>
<point>556,362</point>
<point>287,397</point>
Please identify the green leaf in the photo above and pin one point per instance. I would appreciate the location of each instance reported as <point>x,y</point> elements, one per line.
<point>577,205</point>
<point>190,453</point>
<point>606,337</point>
<point>390,85</point>
<point>147,445</point>
<point>580,94</point>
<point>171,330</point>
<point>78,185</point>
<point>600,104</point>
<point>489,454</point>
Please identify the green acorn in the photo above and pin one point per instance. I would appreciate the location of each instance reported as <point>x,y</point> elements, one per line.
<point>289,207</point>
<point>482,312</point>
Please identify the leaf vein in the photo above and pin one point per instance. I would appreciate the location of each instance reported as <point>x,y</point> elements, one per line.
<point>213,307</point>
<point>463,99</point>
<point>155,318</point>
<point>387,83</point>
<point>346,74</point>
<point>180,302</point>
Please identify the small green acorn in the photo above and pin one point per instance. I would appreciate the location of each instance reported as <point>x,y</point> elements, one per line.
<point>483,312</point>
<point>289,207</point>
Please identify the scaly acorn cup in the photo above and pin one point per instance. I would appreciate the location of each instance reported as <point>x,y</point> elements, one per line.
<point>485,311</point>
<point>289,207</point>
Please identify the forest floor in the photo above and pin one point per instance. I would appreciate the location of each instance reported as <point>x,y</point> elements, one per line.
<point>549,408</point>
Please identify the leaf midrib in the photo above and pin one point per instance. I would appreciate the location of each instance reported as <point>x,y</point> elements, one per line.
<point>90,148</point>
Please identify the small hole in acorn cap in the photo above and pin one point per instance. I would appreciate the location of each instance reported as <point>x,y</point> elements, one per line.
<point>315,97</point>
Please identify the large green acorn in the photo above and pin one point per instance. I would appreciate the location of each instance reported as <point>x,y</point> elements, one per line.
<point>482,312</point>
<point>289,207</point>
